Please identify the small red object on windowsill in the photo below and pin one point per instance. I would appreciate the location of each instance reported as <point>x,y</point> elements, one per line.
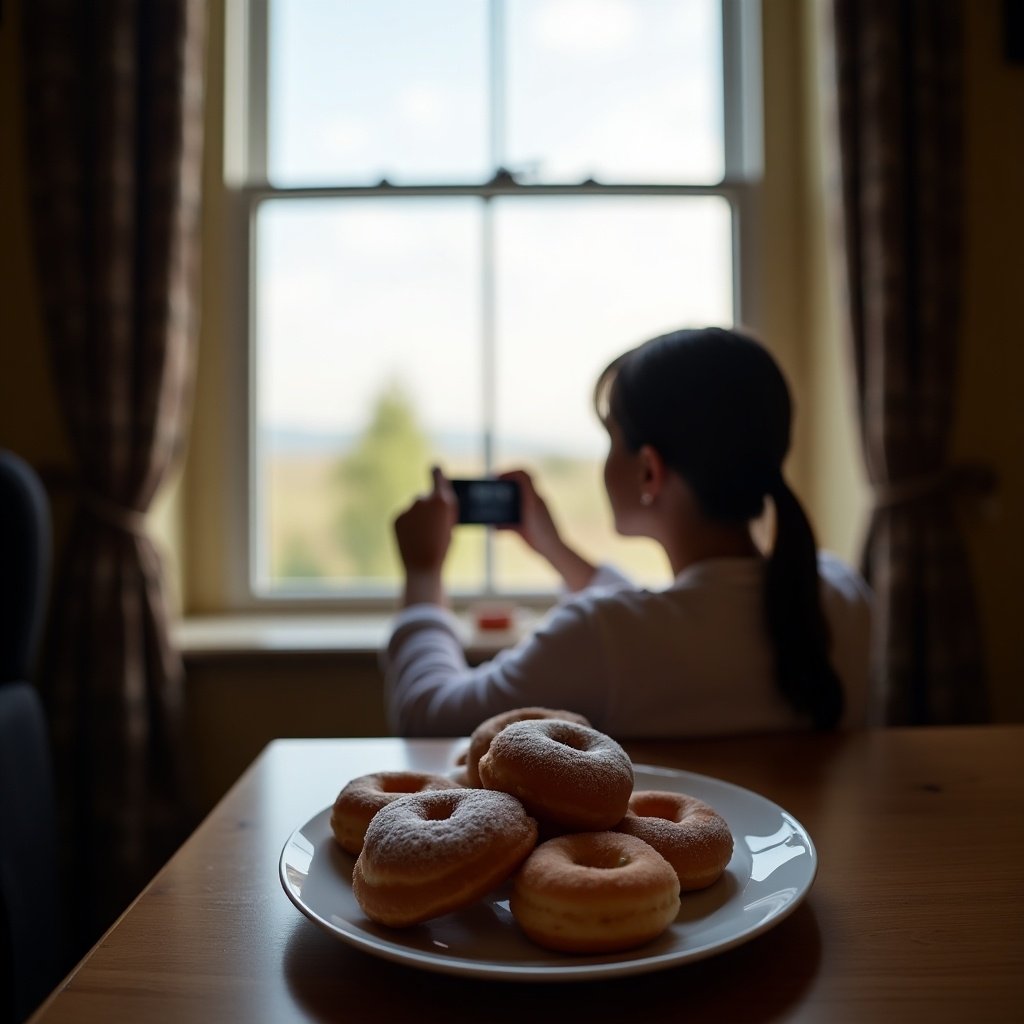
<point>494,618</point>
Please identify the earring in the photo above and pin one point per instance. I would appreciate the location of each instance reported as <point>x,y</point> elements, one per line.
<point>646,499</point>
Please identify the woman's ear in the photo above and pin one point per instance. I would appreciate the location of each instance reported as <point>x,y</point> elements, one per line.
<point>652,472</point>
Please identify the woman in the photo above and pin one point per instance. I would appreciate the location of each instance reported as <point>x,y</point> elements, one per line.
<point>699,426</point>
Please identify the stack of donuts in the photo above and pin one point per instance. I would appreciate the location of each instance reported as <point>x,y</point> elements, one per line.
<point>546,801</point>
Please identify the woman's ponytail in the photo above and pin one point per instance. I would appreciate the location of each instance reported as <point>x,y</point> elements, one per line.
<point>796,620</point>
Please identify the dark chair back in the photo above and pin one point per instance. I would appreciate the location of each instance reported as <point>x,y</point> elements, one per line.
<point>30,930</point>
<point>25,554</point>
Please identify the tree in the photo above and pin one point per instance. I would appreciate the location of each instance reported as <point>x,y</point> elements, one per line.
<point>298,561</point>
<point>378,476</point>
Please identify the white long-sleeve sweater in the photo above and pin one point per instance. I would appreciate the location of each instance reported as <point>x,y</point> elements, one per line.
<point>693,659</point>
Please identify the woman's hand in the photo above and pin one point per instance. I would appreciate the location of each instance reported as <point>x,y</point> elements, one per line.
<point>537,527</point>
<point>424,533</point>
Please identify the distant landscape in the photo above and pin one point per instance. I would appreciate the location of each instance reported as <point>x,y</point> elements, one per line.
<point>329,500</point>
<point>306,544</point>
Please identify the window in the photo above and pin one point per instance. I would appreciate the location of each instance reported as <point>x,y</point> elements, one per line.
<point>455,214</point>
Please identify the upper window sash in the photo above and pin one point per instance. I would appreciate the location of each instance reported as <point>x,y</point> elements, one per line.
<point>246,115</point>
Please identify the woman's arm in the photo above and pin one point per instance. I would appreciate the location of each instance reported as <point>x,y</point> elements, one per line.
<point>424,534</point>
<point>432,691</point>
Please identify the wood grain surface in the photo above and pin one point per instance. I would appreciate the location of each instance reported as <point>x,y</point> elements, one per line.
<point>917,912</point>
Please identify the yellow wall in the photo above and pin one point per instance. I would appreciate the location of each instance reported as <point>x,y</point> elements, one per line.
<point>837,487</point>
<point>234,708</point>
<point>208,465</point>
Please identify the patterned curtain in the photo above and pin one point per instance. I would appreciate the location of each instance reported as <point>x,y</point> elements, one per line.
<point>898,78</point>
<point>114,95</point>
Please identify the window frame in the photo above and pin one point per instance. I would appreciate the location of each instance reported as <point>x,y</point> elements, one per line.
<point>245,187</point>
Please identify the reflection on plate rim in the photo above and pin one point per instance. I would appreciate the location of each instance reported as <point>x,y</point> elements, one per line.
<point>572,969</point>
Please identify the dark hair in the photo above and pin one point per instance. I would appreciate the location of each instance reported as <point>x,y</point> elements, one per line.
<point>715,405</point>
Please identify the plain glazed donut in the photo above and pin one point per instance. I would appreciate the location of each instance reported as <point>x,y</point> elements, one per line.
<point>481,737</point>
<point>690,835</point>
<point>363,797</point>
<point>430,853</point>
<point>594,892</point>
<point>566,775</point>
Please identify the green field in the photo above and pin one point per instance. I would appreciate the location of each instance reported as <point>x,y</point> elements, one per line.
<point>306,497</point>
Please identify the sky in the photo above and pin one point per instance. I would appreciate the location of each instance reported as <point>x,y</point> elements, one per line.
<point>353,296</point>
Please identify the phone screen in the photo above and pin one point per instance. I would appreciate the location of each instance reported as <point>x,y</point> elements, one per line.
<point>487,502</point>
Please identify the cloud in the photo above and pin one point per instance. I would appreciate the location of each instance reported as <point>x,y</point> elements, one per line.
<point>423,104</point>
<point>342,136</point>
<point>582,27</point>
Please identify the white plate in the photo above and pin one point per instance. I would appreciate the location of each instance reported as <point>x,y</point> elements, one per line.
<point>772,868</point>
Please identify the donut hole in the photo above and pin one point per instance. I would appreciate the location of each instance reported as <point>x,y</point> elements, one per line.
<point>603,860</point>
<point>400,785</point>
<point>659,807</point>
<point>439,806</point>
<point>437,812</point>
<point>571,738</point>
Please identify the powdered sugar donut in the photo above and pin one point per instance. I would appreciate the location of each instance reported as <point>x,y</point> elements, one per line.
<point>689,834</point>
<point>566,775</point>
<point>482,735</point>
<point>430,853</point>
<point>364,796</point>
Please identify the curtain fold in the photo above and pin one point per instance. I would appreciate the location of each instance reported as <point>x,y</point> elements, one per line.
<point>898,78</point>
<point>114,97</point>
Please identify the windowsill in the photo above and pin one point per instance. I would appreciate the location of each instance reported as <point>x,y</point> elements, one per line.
<point>212,637</point>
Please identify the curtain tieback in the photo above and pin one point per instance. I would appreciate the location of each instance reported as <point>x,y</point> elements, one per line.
<point>120,516</point>
<point>974,479</point>
<point>59,480</point>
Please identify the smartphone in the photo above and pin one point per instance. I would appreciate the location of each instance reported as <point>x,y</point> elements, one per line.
<point>487,501</point>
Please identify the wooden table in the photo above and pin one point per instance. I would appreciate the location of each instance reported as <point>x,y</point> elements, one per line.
<point>917,913</point>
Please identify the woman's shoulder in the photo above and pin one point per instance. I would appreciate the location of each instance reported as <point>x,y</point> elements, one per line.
<point>842,586</point>
<point>609,589</point>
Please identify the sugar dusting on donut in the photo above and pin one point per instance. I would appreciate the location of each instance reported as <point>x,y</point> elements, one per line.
<point>422,830</point>
<point>564,773</point>
<point>361,798</point>
<point>484,733</point>
<point>687,832</point>
<point>430,853</point>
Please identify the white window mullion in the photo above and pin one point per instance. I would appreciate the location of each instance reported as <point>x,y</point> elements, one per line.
<point>743,136</point>
<point>497,83</point>
<point>245,161</point>
<point>488,330</point>
<point>742,98</point>
<point>488,262</point>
